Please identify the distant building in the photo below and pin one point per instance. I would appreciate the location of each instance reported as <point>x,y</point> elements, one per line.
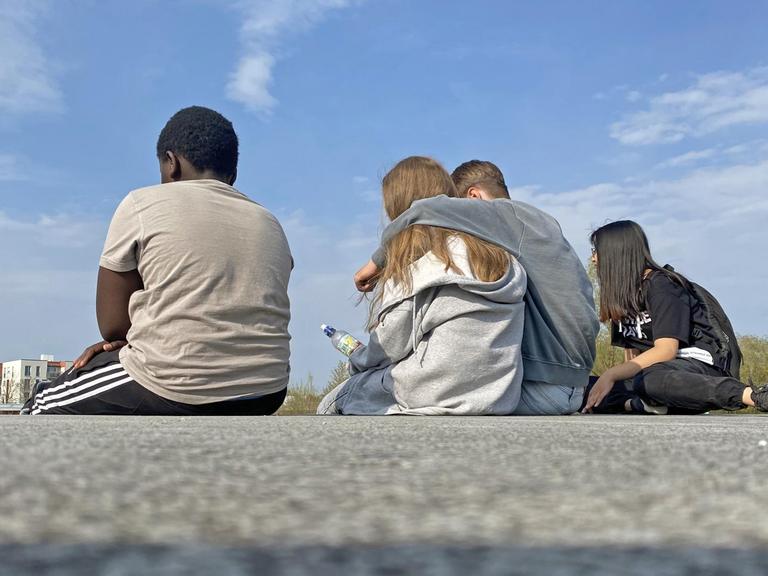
<point>19,376</point>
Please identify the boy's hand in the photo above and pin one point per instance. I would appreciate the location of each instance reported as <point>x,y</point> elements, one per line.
<point>97,348</point>
<point>365,278</point>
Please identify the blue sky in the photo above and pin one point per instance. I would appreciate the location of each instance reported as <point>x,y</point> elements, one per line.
<point>650,110</point>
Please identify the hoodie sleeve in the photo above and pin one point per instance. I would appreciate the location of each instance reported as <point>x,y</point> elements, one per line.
<point>390,341</point>
<point>492,220</point>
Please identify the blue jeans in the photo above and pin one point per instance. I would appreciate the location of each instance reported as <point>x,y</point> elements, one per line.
<point>536,399</point>
<point>542,399</point>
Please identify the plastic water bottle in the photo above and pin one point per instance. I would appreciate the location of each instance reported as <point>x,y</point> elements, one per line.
<point>343,341</point>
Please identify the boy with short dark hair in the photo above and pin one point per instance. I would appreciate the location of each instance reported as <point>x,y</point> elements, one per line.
<point>192,297</point>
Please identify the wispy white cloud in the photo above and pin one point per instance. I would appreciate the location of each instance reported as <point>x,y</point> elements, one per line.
<point>10,168</point>
<point>321,287</point>
<point>27,83</point>
<point>48,283</point>
<point>713,102</point>
<point>755,148</point>
<point>621,90</point>
<point>251,82</point>
<point>688,158</point>
<point>266,26</point>
<point>371,196</point>
<point>742,153</point>
<point>61,231</point>
<point>364,190</point>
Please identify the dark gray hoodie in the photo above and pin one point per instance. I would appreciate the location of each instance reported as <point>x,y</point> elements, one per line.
<point>560,319</point>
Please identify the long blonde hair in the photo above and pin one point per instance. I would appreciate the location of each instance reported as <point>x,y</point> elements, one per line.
<point>412,179</point>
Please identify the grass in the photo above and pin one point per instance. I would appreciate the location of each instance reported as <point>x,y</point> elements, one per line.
<point>303,398</point>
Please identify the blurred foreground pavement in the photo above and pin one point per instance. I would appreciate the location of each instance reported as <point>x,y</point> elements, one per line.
<point>395,495</point>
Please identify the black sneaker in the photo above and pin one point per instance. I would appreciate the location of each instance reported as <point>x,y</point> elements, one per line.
<point>637,405</point>
<point>760,397</point>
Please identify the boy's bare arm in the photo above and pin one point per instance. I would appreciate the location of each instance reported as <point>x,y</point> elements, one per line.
<point>113,292</point>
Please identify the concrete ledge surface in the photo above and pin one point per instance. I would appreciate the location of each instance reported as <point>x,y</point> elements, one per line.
<point>377,495</point>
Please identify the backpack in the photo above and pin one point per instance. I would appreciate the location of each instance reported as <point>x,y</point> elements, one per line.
<point>727,354</point>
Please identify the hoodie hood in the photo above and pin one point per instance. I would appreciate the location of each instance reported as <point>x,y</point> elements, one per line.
<point>429,272</point>
<point>450,345</point>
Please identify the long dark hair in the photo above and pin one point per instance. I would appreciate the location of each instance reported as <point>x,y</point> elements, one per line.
<point>623,256</point>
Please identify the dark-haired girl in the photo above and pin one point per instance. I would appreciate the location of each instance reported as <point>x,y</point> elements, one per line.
<point>669,353</point>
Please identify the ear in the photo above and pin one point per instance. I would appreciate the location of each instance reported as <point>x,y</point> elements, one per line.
<point>233,178</point>
<point>170,167</point>
<point>475,192</point>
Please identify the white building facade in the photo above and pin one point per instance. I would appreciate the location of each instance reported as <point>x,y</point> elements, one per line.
<point>19,376</point>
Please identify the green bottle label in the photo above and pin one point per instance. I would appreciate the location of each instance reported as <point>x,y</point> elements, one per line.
<point>348,344</point>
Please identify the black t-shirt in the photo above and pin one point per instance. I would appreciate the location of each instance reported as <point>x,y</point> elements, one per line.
<point>670,312</point>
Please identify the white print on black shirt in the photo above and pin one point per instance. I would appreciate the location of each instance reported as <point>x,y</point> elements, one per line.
<point>635,329</point>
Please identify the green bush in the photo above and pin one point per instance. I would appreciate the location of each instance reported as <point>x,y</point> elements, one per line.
<point>303,398</point>
<point>606,355</point>
<point>755,364</point>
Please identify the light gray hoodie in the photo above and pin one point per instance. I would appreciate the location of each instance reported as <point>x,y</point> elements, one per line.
<point>451,345</point>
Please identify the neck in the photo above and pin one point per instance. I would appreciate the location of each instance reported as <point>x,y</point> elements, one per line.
<point>190,172</point>
<point>203,175</point>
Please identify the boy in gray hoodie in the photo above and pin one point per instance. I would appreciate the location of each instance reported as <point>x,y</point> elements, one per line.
<point>561,324</point>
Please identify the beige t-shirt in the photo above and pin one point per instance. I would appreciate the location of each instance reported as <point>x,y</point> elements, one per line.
<point>211,323</point>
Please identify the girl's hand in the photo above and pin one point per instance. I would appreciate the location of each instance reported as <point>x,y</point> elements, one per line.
<point>599,391</point>
<point>664,350</point>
